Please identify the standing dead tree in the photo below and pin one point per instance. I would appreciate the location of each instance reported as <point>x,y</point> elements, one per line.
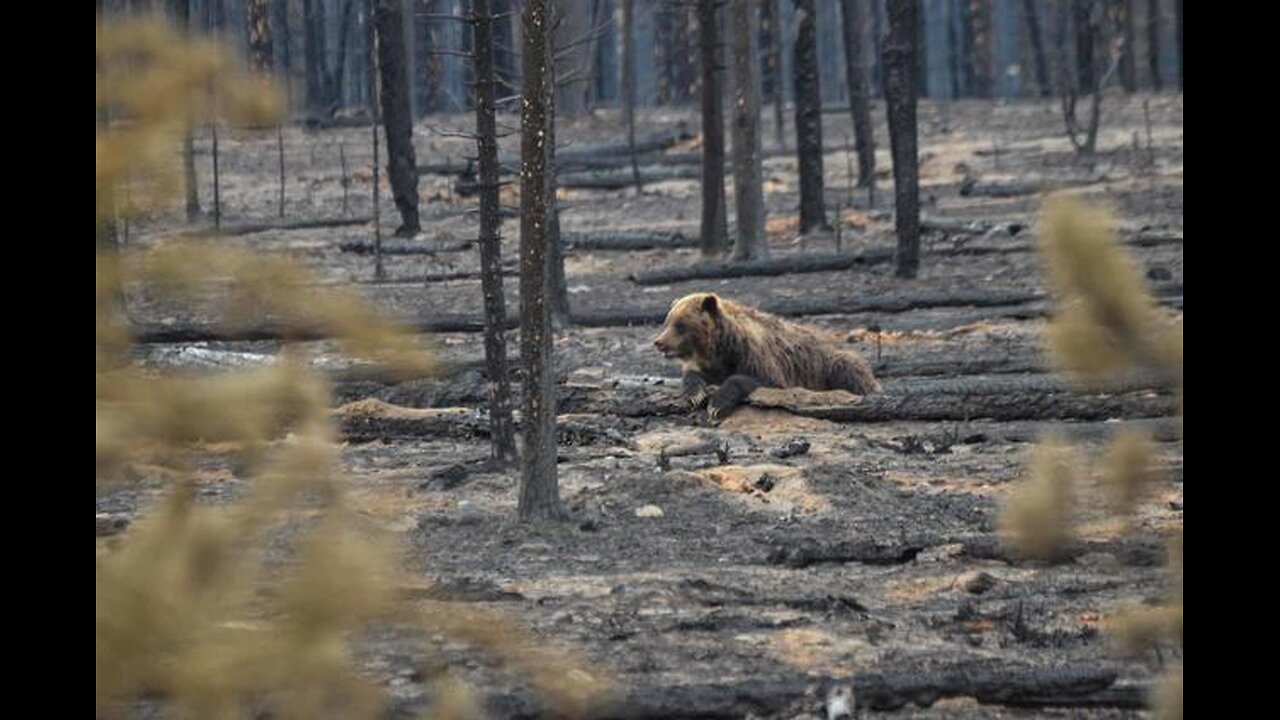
<point>714,228</point>
<point>324,82</point>
<point>1121,14</point>
<point>1153,43</point>
<point>813,209</point>
<point>750,243</point>
<point>775,68</point>
<point>629,84</point>
<point>396,113</point>
<point>856,44</point>
<point>181,11</point>
<point>1177,19</point>
<point>539,489</point>
<point>900,97</point>
<point>379,272</point>
<point>1037,48</point>
<point>501,426</point>
<point>1086,18</point>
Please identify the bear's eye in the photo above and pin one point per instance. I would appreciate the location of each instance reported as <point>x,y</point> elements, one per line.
<point>681,327</point>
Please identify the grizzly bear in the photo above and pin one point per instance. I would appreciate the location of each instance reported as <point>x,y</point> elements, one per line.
<point>720,342</point>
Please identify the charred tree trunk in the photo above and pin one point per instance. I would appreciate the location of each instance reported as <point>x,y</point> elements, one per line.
<point>1153,44</point>
<point>1037,48</point>
<point>571,25</point>
<point>258,21</point>
<point>371,36</point>
<point>900,97</point>
<point>1122,21</point>
<point>629,84</point>
<point>181,10</point>
<point>314,55</point>
<point>539,489</point>
<point>1082,12</point>
<point>1177,19</point>
<point>750,243</point>
<point>1087,30</point>
<point>856,44</point>
<point>557,287</point>
<point>813,210</point>
<point>775,67</point>
<point>501,425</point>
<point>981,36</point>
<point>715,234</point>
<point>505,64</point>
<point>394,85</point>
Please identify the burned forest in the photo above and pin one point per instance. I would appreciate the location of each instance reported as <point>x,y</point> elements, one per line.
<point>659,359</point>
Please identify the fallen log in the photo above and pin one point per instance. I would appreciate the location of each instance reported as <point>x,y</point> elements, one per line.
<point>628,240</point>
<point>998,397</point>
<point>405,247</point>
<point>569,157</point>
<point>619,178</point>
<point>807,551</point>
<point>610,240</point>
<point>921,682</point>
<point>652,142</point>
<point>251,228</point>
<point>372,420</point>
<point>841,261</point>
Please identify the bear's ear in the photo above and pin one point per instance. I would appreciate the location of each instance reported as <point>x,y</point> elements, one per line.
<point>710,305</point>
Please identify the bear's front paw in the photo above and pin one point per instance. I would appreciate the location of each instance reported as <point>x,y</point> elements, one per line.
<point>697,397</point>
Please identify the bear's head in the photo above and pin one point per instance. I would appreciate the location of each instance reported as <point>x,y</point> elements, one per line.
<point>690,332</point>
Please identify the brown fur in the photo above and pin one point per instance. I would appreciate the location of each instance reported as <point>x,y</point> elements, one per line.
<point>720,338</point>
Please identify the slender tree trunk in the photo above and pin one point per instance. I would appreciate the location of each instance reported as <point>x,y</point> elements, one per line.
<point>258,21</point>
<point>1177,19</point>
<point>280,19</point>
<point>108,239</point>
<point>1082,11</point>
<point>557,287</point>
<point>1122,17</point>
<point>980,17</point>
<point>775,67</point>
<point>714,232</point>
<point>334,78</point>
<point>401,169</point>
<point>1037,48</point>
<point>629,84</point>
<point>813,209</point>
<point>371,35</point>
<point>501,426</point>
<point>314,55</point>
<point>571,21</point>
<point>856,36</point>
<point>1153,44</point>
<point>900,97</point>
<point>539,489</point>
<point>181,10</point>
<point>504,38</point>
<point>750,243</point>
<point>856,27</point>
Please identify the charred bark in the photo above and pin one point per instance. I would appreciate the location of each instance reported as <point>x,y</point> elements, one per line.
<point>1037,48</point>
<point>900,98</point>
<point>539,489</point>
<point>856,45</point>
<point>396,114</point>
<point>813,210</point>
<point>750,243</point>
<point>715,222</point>
<point>501,426</point>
